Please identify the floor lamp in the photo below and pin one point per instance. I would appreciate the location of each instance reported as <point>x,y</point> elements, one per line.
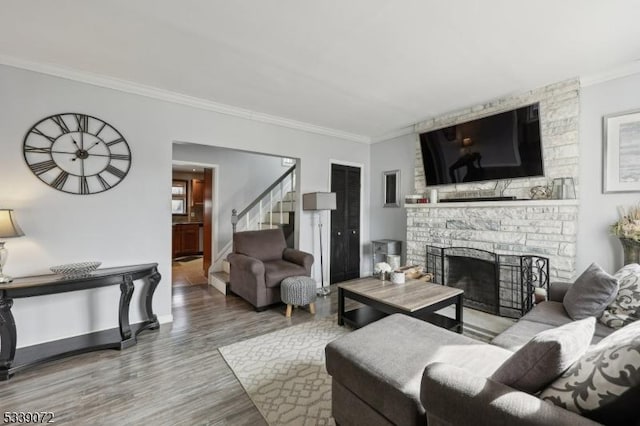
<point>320,201</point>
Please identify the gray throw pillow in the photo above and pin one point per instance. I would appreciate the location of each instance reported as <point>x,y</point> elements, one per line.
<point>604,384</point>
<point>546,356</point>
<point>590,295</point>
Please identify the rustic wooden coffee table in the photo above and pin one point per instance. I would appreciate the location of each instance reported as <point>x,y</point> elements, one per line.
<point>414,298</point>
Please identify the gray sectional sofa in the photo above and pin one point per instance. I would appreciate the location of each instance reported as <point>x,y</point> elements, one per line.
<point>404,371</point>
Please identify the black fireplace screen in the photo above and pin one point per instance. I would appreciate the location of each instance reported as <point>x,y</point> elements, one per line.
<point>496,283</point>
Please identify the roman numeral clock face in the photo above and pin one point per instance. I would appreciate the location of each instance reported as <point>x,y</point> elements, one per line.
<point>77,153</point>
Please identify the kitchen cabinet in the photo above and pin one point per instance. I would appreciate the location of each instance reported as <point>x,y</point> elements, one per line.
<point>186,239</point>
<point>197,191</point>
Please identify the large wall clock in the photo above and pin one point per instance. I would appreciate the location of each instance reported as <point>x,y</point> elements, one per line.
<point>77,153</point>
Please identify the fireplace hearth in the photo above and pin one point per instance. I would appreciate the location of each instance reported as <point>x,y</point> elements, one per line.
<point>495,283</point>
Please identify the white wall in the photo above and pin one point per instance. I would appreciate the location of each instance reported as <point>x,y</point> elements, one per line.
<point>598,210</point>
<point>132,222</point>
<point>392,154</point>
<point>241,177</point>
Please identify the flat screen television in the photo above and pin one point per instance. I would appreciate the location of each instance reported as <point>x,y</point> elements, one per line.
<point>500,146</point>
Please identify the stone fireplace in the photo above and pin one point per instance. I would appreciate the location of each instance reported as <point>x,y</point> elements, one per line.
<point>546,228</point>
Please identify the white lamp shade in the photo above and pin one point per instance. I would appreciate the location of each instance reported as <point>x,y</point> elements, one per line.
<point>8,226</point>
<point>319,201</point>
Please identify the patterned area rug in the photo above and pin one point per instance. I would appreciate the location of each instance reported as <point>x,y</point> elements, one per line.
<point>283,372</point>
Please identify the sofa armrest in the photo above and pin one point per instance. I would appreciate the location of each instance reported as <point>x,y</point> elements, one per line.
<point>453,396</point>
<point>246,271</point>
<point>298,257</point>
<point>557,290</point>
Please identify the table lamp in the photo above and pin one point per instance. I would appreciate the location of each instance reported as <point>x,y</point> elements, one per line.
<point>8,229</point>
<point>319,201</point>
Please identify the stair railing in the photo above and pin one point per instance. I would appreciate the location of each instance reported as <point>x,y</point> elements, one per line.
<point>275,193</point>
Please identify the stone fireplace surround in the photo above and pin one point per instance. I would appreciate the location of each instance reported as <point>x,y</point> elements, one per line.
<point>519,227</point>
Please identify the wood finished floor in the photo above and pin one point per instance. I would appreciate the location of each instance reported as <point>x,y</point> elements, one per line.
<point>187,273</point>
<point>174,376</point>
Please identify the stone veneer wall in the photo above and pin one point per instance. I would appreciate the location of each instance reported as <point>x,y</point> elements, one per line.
<point>559,119</point>
<point>546,228</point>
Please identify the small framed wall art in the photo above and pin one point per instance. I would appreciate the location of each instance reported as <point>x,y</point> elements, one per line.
<point>621,152</point>
<point>391,188</point>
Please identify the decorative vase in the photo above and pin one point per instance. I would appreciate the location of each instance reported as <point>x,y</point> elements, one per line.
<point>397,277</point>
<point>631,250</point>
<point>384,276</point>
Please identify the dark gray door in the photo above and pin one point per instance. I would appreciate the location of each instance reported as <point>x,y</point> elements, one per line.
<point>345,224</point>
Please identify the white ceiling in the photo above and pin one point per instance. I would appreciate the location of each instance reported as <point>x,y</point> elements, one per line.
<point>367,67</point>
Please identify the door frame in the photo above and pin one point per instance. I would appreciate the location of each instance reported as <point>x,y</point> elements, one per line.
<point>214,202</point>
<point>361,220</point>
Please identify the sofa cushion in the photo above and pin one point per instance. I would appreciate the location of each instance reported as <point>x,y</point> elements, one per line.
<point>551,313</point>
<point>591,293</point>
<point>277,270</point>
<point>604,384</point>
<point>383,362</point>
<point>546,356</point>
<point>543,316</point>
<point>625,308</point>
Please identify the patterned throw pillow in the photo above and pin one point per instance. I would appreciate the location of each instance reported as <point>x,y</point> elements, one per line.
<point>625,308</point>
<point>604,384</point>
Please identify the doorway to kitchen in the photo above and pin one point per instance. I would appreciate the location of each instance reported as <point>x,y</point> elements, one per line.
<point>191,212</point>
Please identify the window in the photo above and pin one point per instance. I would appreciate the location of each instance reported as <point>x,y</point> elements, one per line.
<point>179,197</point>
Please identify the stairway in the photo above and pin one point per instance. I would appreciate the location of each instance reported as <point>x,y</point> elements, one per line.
<point>273,219</point>
<point>269,210</point>
<point>220,279</point>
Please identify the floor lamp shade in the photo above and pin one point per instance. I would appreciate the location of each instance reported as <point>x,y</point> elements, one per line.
<point>319,201</point>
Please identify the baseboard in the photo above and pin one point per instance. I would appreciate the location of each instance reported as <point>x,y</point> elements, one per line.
<point>165,319</point>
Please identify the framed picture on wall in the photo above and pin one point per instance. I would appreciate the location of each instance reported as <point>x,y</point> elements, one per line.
<point>621,156</point>
<point>391,188</point>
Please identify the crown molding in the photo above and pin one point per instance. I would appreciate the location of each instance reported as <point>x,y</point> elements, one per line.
<point>394,134</point>
<point>175,97</point>
<point>612,74</point>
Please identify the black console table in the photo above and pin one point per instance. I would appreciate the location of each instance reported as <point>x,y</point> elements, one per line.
<point>12,360</point>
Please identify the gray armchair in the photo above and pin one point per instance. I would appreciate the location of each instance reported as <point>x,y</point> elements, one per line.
<point>260,261</point>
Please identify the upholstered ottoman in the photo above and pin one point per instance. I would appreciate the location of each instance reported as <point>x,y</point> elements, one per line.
<point>376,371</point>
<point>298,291</point>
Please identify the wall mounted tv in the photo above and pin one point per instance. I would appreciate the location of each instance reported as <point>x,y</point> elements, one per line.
<point>500,146</point>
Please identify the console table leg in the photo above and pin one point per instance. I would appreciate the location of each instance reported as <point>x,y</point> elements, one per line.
<point>152,318</point>
<point>7,338</point>
<point>126,292</point>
